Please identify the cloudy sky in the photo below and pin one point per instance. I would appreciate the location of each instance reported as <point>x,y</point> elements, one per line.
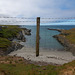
<point>38,8</point>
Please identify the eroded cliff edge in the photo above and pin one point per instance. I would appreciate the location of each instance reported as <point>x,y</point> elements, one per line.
<point>8,34</point>
<point>66,38</point>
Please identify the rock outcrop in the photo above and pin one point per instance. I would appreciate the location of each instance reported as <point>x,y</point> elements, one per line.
<point>65,42</point>
<point>13,47</point>
<point>27,31</point>
<point>56,29</point>
<point>21,37</point>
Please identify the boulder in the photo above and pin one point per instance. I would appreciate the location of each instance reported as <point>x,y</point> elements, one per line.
<point>21,37</point>
<point>27,31</point>
<point>14,46</point>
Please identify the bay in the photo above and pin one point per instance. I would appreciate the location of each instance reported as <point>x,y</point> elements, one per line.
<point>47,42</point>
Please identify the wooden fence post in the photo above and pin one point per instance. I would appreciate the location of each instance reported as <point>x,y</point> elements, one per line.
<point>37,36</point>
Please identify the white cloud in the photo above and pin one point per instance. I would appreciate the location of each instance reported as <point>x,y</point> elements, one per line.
<point>35,8</point>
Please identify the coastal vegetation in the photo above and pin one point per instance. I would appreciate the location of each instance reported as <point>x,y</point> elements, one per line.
<point>4,43</point>
<point>70,35</point>
<point>11,65</point>
<point>9,31</point>
<point>6,33</point>
<point>66,38</point>
<point>67,34</point>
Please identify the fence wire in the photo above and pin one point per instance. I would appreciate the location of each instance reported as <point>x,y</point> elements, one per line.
<point>25,20</point>
<point>40,18</point>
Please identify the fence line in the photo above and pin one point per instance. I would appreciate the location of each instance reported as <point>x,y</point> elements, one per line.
<point>40,18</point>
<point>18,21</point>
<point>18,17</point>
<point>13,20</point>
<point>35,21</point>
<point>60,18</point>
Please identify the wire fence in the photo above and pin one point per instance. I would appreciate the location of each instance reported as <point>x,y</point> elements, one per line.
<point>24,20</point>
<point>41,18</point>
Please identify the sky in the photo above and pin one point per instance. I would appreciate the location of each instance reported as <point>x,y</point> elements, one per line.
<point>37,8</point>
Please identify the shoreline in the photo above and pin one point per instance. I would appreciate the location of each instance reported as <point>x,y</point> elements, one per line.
<point>16,33</point>
<point>48,57</point>
<point>61,38</point>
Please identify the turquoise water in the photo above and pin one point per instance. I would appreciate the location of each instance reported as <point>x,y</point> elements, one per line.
<point>47,42</point>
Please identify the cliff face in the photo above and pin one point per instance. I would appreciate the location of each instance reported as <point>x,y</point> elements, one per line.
<point>21,37</point>
<point>15,45</point>
<point>21,34</point>
<point>27,31</point>
<point>68,46</point>
<point>66,38</point>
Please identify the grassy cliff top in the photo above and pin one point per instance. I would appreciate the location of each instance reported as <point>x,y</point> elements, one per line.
<point>7,31</point>
<point>70,35</point>
<point>4,42</point>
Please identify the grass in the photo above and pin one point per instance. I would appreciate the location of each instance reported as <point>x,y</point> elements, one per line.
<point>8,32</point>
<point>30,69</point>
<point>4,42</point>
<point>13,66</point>
<point>71,35</point>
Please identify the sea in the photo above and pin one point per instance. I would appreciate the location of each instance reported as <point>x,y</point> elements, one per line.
<point>47,42</point>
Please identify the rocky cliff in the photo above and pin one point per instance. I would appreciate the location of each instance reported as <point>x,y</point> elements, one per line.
<point>68,46</point>
<point>15,45</point>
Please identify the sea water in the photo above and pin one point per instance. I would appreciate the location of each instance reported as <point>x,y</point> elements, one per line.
<point>47,42</point>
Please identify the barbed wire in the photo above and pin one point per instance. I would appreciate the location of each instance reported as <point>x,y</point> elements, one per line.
<point>32,20</point>
<point>18,17</point>
<point>35,21</point>
<point>36,18</point>
<point>16,21</point>
<point>60,18</point>
<point>57,21</point>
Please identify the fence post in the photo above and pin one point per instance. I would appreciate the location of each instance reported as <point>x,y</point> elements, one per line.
<point>37,36</point>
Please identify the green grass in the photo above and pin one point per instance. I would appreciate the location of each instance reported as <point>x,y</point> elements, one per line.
<point>30,69</point>
<point>8,32</point>
<point>4,42</point>
<point>71,36</point>
<point>17,67</point>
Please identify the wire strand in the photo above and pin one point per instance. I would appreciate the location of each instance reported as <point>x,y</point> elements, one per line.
<point>35,18</point>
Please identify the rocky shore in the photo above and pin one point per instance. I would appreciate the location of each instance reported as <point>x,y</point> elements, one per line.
<point>55,29</point>
<point>68,46</point>
<point>27,31</point>
<point>14,45</point>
